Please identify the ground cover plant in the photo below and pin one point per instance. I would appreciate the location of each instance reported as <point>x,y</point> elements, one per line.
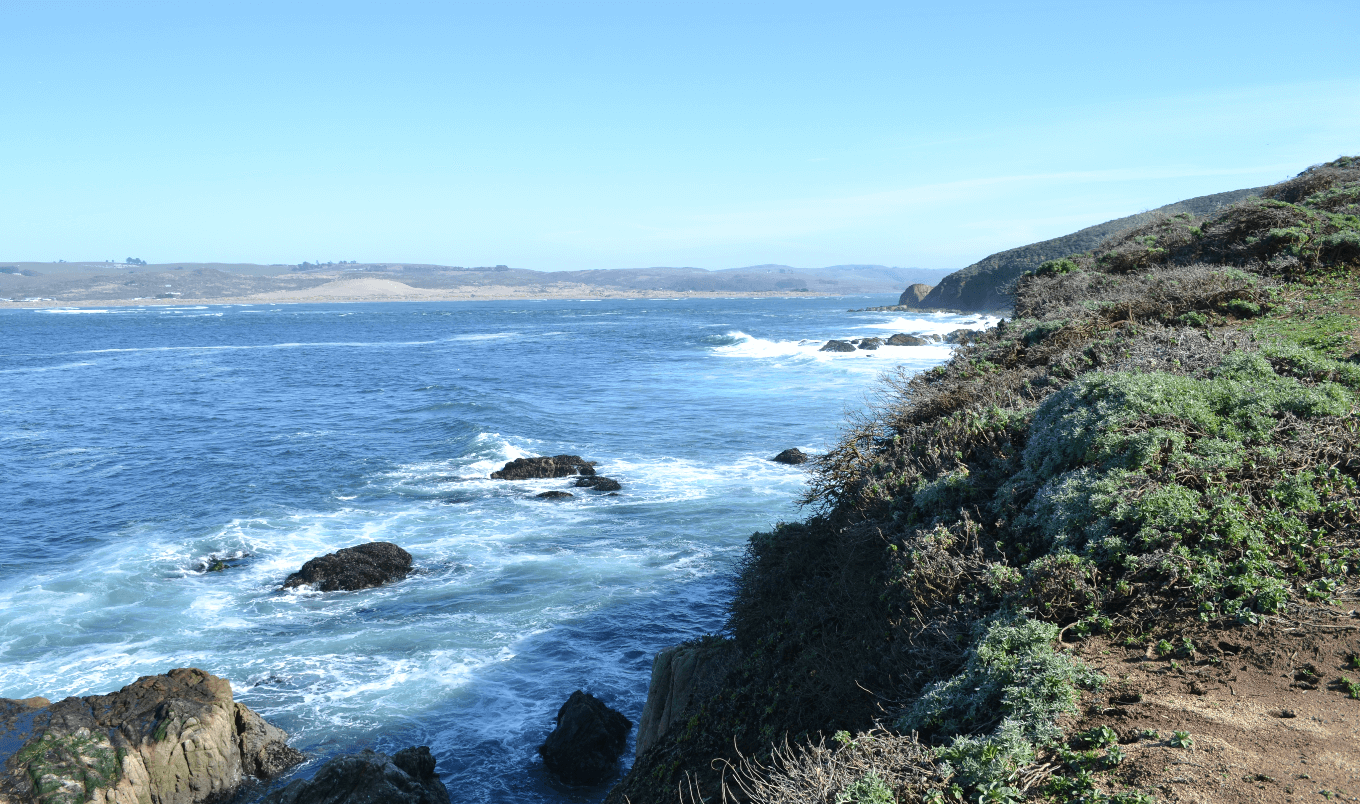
<point>1157,437</point>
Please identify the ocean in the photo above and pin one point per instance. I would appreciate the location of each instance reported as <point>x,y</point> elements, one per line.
<point>140,445</point>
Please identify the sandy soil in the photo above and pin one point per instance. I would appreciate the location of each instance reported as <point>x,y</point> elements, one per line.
<point>1265,707</point>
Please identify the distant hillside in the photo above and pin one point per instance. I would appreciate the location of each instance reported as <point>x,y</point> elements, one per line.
<point>985,285</point>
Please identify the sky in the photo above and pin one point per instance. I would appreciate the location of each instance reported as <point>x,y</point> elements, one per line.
<point>577,135</point>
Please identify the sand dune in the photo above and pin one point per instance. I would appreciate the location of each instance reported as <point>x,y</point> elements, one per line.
<point>352,289</point>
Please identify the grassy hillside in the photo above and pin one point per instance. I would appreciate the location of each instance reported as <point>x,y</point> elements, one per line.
<point>986,285</point>
<point>1045,570</point>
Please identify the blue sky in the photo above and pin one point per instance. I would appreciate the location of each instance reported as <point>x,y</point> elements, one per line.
<point>616,135</point>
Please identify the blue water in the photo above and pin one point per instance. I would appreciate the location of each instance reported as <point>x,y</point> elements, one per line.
<point>138,444</point>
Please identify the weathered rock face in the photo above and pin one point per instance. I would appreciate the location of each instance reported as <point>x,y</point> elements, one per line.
<point>358,567</point>
<point>792,456</point>
<point>837,346</point>
<point>406,777</point>
<point>913,295</point>
<point>554,495</point>
<point>681,675</point>
<point>599,483</point>
<point>588,741</point>
<point>177,738</point>
<point>903,339</point>
<point>545,467</point>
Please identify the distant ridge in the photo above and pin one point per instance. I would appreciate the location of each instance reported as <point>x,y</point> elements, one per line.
<point>984,285</point>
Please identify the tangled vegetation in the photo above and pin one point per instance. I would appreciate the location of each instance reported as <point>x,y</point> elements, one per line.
<point>1148,439</point>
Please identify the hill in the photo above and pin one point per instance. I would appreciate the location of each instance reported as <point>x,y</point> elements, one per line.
<point>986,285</point>
<point>1109,552</point>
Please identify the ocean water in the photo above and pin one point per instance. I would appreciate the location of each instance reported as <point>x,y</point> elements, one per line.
<point>138,445</point>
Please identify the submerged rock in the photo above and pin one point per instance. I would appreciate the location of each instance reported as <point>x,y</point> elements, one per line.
<point>359,567</point>
<point>792,456</point>
<point>554,495</point>
<point>177,738</point>
<point>588,741</point>
<point>599,483</point>
<point>544,467</point>
<point>903,339</point>
<point>406,777</point>
<point>837,346</point>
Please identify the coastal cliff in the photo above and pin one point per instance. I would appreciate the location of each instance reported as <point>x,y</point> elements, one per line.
<point>1117,532</point>
<point>177,738</point>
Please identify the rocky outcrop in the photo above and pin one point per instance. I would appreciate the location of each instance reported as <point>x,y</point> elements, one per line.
<point>837,346</point>
<point>903,339</point>
<point>359,567</point>
<point>682,675</point>
<point>588,741</point>
<point>406,777</point>
<point>545,467</point>
<point>554,495</point>
<point>869,343</point>
<point>177,738</point>
<point>599,483</point>
<point>792,456</point>
<point>913,295</point>
<point>961,336</point>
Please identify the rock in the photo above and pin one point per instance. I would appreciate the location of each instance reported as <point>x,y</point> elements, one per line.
<point>913,295</point>
<point>680,675</point>
<point>554,495</point>
<point>962,336</point>
<point>837,346</point>
<point>359,567</point>
<point>545,467</point>
<point>903,339</point>
<point>599,483</point>
<point>177,738</point>
<point>869,343</point>
<point>935,337</point>
<point>406,777</point>
<point>792,456</point>
<point>588,741</point>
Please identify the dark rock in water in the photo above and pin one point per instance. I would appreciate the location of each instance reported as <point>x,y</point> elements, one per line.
<point>406,777</point>
<point>935,337</point>
<point>869,343</point>
<point>358,567</point>
<point>962,336</point>
<point>588,741</point>
<point>177,738</point>
<point>792,456</point>
<point>903,339</point>
<point>837,346</point>
<point>554,495</point>
<point>544,468</point>
<point>599,483</point>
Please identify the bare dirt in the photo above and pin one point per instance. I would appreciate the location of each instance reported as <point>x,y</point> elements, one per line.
<point>1264,706</point>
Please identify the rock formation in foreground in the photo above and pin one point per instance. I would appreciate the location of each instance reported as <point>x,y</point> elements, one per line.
<point>681,675</point>
<point>588,741</point>
<point>544,468</point>
<point>406,777</point>
<point>792,456</point>
<point>359,567</point>
<point>177,738</point>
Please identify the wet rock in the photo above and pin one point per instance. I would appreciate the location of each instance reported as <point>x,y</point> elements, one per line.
<point>359,567</point>
<point>792,456</point>
<point>837,346</point>
<point>588,741</point>
<point>961,336</point>
<point>554,495</point>
<point>545,467</point>
<point>914,295</point>
<point>177,738</point>
<point>406,777</point>
<point>869,343</point>
<point>903,339</point>
<point>599,483</point>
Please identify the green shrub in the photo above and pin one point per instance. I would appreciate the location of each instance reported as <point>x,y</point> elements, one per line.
<point>869,789</point>
<point>1057,267</point>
